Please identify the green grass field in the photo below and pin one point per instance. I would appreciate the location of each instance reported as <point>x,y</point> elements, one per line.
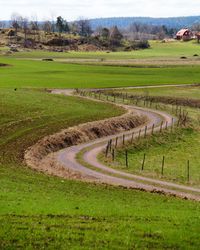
<point>38,74</point>
<point>177,147</point>
<point>39,211</point>
<point>182,92</point>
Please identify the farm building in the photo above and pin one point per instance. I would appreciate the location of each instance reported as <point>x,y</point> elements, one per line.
<point>184,34</point>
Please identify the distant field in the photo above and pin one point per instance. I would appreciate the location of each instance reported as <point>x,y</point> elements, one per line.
<point>159,65</point>
<point>184,92</point>
<point>157,50</point>
<point>38,74</point>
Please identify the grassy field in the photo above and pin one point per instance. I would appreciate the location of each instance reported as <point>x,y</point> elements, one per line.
<point>182,145</point>
<point>183,92</point>
<point>177,147</point>
<point>38,74</point>
<point>39,211</point>
<point>26,72</point>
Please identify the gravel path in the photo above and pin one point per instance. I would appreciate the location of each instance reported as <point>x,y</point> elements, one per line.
<point>97,172</point>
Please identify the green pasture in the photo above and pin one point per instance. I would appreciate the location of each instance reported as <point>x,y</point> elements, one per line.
<point>182,92</point>
<point>177,147</point>
<point>39,74</point>
<point>39,211</point>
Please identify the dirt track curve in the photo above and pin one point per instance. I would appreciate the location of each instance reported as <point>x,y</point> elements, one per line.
<point>93,170</point>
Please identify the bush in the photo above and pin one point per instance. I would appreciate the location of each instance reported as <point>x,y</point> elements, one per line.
<point>143,44</point>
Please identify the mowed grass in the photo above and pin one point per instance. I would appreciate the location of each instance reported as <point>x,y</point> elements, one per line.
<point>39,211</point>
<point>182,92</point>
<point>46,212</point>
<point>39,74</point>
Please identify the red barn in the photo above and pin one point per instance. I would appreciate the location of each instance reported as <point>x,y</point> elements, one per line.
<point>184,34</point>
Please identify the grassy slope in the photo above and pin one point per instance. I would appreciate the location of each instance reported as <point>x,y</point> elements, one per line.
<point>39,211</point>
<point>45,212</point>
<point>27,116</point>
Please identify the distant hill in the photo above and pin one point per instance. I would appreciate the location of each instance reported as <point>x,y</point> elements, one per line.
<point>123,22</point>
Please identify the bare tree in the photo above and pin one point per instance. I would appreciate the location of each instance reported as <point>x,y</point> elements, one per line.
<point>84,27</point>
<point>34,26</point>
<point>25,27</point>
<point>47,26</point>
<point>15,22</point>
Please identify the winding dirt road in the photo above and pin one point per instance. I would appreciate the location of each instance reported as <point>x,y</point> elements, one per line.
<point>87,164</point>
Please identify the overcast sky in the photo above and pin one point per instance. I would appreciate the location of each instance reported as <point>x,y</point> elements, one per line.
<point>73,9</point>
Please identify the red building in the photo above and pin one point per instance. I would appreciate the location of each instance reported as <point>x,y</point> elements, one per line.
<point>184,34</point>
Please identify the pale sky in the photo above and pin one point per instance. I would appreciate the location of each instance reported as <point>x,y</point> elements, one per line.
<point>73,9</point>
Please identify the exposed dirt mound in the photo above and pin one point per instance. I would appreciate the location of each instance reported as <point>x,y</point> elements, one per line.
<point>3,65</point>
<point>80,134</point>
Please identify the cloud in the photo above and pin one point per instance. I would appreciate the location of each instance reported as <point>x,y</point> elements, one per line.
<point>99,8</point>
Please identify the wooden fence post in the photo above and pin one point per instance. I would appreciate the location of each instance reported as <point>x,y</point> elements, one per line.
<point>145,132</point>
<point>123,139</point>
<point>172,124</point>
<point>126,154</point>
<point>116,142</point>
<point>113,154</point>
<point>188,170</point>
<point>152,131</point>
<point>163,164</point>
<point>166,127</point>
<point>107,148</point>
<point>143,162</point>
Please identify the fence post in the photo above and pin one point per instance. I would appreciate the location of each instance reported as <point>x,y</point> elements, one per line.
<point>123,139</point>
<point>152,131</point>
<point>143,162</point>
<point>172,124</point>
<point>163,164</point>
<point>116,142</point>
<point>145,132</point>
<point>188,170</point>
<point>166,127</point>
<point>126,154</point>
<point>113,154</point>
<point>110,145</point>
<point>107,148</point>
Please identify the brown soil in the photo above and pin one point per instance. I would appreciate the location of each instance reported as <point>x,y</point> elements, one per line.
<point>80,134</point>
